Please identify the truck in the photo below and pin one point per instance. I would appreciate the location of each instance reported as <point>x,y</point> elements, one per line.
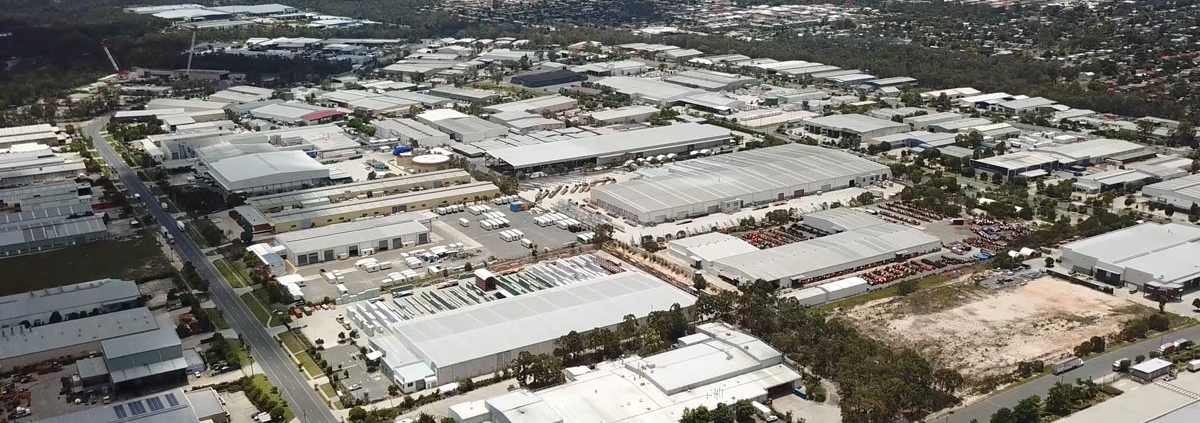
<point>179,224</point>
<point>1193,366</point>
<point>763,411</point>
<point>1121,365</point>
<point>1067,365</point>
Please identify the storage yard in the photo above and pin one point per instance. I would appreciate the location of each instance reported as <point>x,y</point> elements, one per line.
<point>984,332</point>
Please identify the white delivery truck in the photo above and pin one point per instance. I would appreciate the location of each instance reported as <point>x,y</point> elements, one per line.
<point>1194,365</point>
<point>763,411</point>
<point>179,224</point>
<point>464,222</point>
<point>526,242</point>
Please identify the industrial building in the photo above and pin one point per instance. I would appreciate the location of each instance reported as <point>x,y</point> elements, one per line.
<point>543,79</point>
<point>711,80</point>
<point>463,94</point>
<point>829,292</point>
<point>537,105</point>
<point>349,210</point>
<point>852,127</point>
<point>461,126</point>
<point>1149,255</point>
<point>1182,193</point>
<point>350,239</point>
<point>40,134</point>
<point>43,235</point>
<point>701,250</point>
<point>410,131</point>
<point>840,220</point>
<point>481,339</point>
<point>25,164</point>
<point>803,262</point>
<point>266,173</point>
<point>717,365</point>
<point>1110,180</point>
<point>648,90</point>
<point>525,122</point>
<point>623,115</point>
<point>613,148</point>
<point>171,406</point>
<point>1040,161</point>
<point>729,182</point>
<point>38,307</point>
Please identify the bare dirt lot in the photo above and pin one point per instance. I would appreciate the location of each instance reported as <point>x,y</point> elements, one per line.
<point>986,332</point>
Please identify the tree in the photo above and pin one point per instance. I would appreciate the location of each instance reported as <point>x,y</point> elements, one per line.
<point>699,282</point>
<point>1060,399</point>
<point>906,287</point>
<point>425,418</point>
<point>603,232</point>
<point>1098,344</point>
<point>1049,262</point>
<point>1196,303</point>
<point>358,414</point>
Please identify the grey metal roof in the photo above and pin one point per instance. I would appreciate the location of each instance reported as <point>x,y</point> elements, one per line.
<point>356,232</point>
<point>239,172</point>
<point>853,123</point>
<point>844,219</point>
<point>172,406</point>
<point>810,258</point>
<point>384,185</point>
<point>464,190</point>
<point>163,337</point>
<point>482,330</point>
<point>86,294</point>
<point>736,175</point>
<point>618,143</point>
<point>714,245</point>
<point>532,104</point>
<point>1187,187</point>
<point>1145,240</point>
<point>17,342</point>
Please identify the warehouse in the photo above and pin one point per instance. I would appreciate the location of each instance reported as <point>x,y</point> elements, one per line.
<point>349,210</point>
<point>957,125</point>
<point>482,339</point>
<point>185,104</point>
<point>461,127</point>
<point>40,164</point>
<point>543,79</point>
<point>1110,180</point>
<point>267,173</point>
<point>624,115</point>
<point>829,292</point>
<point>350,239</point>
<point>701,250</point>
<point>922,122</point>
<point>711,80</point>
<point>410,131</point>
<point>717,365</point>
<point>77,337</point>
<point>1051,158</point>
<point>363,189</point>
<point>614,148</point>
<point>37,307</point>
<point>1181,193</point>
<point>295,114</point>
<point>1014,164</point>
<point>620,68</point>
<point>1149,253</point>
<point>146,358</point>
<point>41,134</point>
<point>729,182</point>
<point>807,261</point>
<point>648,90</point>
<point>840,220</point>
<point>52,234</point>
<point>462,94</point>
<point>852,127</point>
<point>172,406</point>
<point>919,141</point>
<point>537,105</point>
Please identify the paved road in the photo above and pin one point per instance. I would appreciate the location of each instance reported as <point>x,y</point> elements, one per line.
<point>300,396</point>
<point>1095,368</point>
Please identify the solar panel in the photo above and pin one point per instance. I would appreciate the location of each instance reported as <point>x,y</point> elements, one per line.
<point>137,408</point>
<point>120,410</point>
<point>171,399</point>
<point>155,403</point>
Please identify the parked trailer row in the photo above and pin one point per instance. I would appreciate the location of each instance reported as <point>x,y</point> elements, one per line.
<point>479,209</point>
<point>549,219</point>
<point>454,208</point>
<point>502,200</point>
<point>489,224</point>
<point>511,235</point>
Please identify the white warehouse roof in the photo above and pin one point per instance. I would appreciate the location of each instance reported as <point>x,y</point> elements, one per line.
<point>482,330</point>
<point>359,231</point>
<point>614,144</point>
<point>260,169</point>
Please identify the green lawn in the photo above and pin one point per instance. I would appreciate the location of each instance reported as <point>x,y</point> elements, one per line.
<point>292,342</point>
<point>890,291</point>
<point>218,318</point>
<point>261,310</point>
<point>240,354</point>
<point>310,366</point>
<point>261,382</point>
<point>328,390</point>
<point>130,259</point>
<point>233,273</point>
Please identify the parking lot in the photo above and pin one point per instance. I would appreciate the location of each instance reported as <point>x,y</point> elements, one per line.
<point>543,237</point>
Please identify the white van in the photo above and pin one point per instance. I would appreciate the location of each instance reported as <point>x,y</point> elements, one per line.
<point>526,242</point>
<point>464,222</point>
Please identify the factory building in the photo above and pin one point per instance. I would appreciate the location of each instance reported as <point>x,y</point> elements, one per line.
<point>1040,161</point>
<point>543,79</point>
<point>648,90</point>
<point>623,115</point>
<point>481,339</point>
<point>461,127</point>
<point>613,148</point>
<point>358,208</point>
<point>1149,256</point>
<point>25,164</point>
<point>172,406</point>
<point>95,297</point>
<point>462,94</point>
<point>537,105</point>
<point>410,131</point>
<point>711,80</point>
<point>730,182</point>
<point>701,250</point>
<point>40,134</point>
<point>842,219</point>
<point>51,234</point>
<point>852,127</point>
<point>1182,193</point>
<point>717,365</point>
<point>804,262</point>
<point>351,239</point>
<point>266,173</point>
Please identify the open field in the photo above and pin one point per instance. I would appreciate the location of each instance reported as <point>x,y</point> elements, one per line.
<point>986,332</point>
<point>128,259</point>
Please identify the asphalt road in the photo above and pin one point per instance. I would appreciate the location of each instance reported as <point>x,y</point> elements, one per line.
<point>1094,368</point>
<point>303,400</point>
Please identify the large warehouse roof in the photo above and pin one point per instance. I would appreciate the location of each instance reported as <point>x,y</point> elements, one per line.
<point>534,105</point>
<point>240,172</point>
<point>478,331</point>
<point>614,144</point>
<point>738,174</point>
<point>842,219</point>
<point>1097,148</point>
<point>1149,245</point>
<point>713,245</point>
<point>854,122</point>
<point>17,342</point>
<point>470,190</point>
<point>173,406</point>
<point>800,259</point>
<point>648,89</point>
<point>324,237</point>
<point>98,292</point>
<point>375,186</point>
<point>1185,188</point>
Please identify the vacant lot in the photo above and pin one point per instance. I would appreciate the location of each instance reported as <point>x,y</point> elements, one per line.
<point>127,259</point>
<point>984,332</point>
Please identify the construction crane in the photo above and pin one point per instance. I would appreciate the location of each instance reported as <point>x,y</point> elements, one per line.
<point>121,75</point>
